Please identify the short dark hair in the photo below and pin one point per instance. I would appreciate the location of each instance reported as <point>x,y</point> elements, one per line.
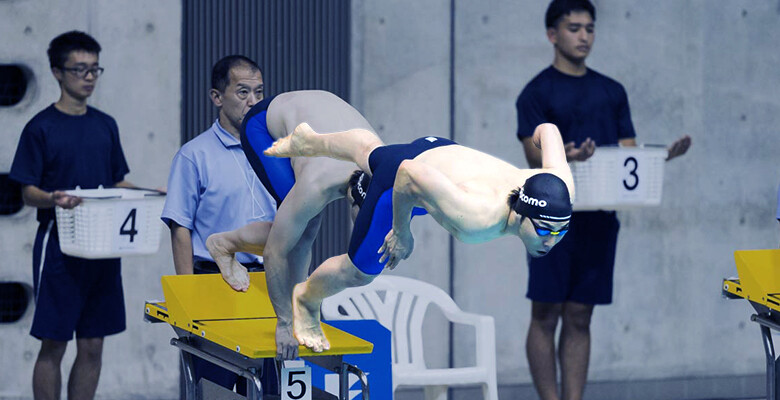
<point>62,45</point>
<point>220,73</point>
<point>560,8</point>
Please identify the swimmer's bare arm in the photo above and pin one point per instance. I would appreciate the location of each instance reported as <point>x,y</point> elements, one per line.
<point>548,139</point>
<point>419,185</point>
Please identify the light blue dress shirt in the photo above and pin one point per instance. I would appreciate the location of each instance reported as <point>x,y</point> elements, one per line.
<point>212,188</point>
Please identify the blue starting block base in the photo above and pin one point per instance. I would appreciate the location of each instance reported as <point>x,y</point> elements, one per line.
<point>378,365</point>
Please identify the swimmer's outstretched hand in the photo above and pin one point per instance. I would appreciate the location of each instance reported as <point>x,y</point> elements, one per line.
<point>396,248</point>
<point>294,145</point>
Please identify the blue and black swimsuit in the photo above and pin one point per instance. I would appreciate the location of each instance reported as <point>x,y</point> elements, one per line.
<point>375,218</point>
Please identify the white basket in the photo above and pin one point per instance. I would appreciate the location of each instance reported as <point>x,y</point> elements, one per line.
<point>616,178</point>
<point>111,223</point>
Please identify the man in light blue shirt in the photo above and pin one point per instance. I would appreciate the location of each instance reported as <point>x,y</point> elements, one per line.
<point>212,188</point>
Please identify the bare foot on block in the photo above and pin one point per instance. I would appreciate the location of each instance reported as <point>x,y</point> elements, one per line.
<point>294,145</point>
<point>232,271</point>
<point>306,322</point>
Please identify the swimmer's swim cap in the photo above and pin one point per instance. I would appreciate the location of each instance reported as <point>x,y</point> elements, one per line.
<point>358,186</point>
<point>543,196</point>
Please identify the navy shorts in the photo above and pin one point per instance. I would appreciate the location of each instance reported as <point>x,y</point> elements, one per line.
<point>375,218</point>
<point>276,174</point>
<point>74,294</point>
<point>580,267</point>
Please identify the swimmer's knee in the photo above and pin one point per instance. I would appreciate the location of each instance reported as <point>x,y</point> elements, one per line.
<point>364,278</point>
<point>358,277</point>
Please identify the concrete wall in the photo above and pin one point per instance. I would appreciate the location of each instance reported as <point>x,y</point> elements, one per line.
<point>141,89</point>
<point>708,69</point>
<point>703,68</point>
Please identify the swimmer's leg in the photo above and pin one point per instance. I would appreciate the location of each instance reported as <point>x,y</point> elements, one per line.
<point>334,275</point>
<point>223,247</point>
<point>353,145</point>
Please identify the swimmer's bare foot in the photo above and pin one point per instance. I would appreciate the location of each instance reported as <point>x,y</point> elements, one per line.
<point>306,321</point>
<point>232,271</point>
<point>294,145</point>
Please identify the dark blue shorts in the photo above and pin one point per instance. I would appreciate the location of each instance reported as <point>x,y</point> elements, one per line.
<point>580,267</point>
<point>276,174</point>
<point>74,294</point>
<point>375,218</point>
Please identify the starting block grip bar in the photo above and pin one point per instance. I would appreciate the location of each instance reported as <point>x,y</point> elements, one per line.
<point>360,374</point>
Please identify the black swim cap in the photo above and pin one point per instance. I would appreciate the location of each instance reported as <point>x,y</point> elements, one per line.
<point>543,196</point>
<point>358,186</point>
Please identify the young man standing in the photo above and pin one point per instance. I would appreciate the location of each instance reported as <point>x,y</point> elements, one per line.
<point>212,188</point>
<point>588,108</point>
<point>70,144</point>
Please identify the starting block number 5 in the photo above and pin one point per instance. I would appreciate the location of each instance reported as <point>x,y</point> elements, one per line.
<point>296,381</point>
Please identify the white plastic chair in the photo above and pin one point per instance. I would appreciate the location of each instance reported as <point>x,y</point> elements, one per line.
<point>401,311</point>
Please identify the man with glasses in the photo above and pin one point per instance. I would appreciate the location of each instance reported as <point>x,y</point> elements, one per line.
<point>70,144</point>
<point>474,196</point>
<point>212,188</point>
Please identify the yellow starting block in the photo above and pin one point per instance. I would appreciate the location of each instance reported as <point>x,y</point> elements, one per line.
<point>236,330</point>
<point>759,283</point>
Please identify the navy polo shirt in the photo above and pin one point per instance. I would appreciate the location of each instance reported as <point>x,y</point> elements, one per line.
<point>58,151</point>
<point>589,106</point>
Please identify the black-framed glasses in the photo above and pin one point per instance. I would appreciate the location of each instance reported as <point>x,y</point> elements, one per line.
<point>82,72</point>
<point>546,231</point>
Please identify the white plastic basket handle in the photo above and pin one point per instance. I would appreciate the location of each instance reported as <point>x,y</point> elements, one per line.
<point>113,193</point>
